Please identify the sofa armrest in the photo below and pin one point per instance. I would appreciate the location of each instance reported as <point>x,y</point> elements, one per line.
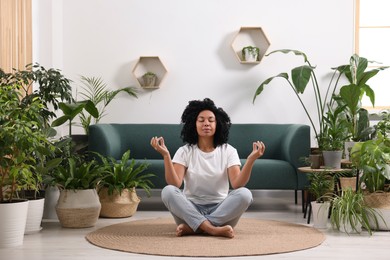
<point>296,144</point>
<point>104,139</point>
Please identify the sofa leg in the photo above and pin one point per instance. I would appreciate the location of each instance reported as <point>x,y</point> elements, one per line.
<point>296,197</point>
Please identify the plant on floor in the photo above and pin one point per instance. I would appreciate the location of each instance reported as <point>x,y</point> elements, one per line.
<point>95,90</point>
<point>117,189</point>
<point>321,186</point>
<point>124,174</point>
<point>21,140</point>
<point>349,213</point>
<point>351,95</point>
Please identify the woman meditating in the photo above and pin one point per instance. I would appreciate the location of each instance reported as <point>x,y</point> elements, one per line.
<point>206,164</point>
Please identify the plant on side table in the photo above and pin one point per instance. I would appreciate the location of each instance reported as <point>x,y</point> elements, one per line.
<point>117,188</point>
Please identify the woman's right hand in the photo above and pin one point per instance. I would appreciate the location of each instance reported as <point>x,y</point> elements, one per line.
<point>159,145</point>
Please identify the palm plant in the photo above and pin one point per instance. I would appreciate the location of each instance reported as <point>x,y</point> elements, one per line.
<point>95,89</point>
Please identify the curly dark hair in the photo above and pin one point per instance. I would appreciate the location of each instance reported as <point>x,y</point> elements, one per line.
<point>190,135</point>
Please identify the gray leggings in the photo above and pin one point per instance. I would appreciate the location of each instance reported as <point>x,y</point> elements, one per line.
<point>227,212</point>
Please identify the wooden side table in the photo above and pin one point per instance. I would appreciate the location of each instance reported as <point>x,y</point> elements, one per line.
<point>321,170</point>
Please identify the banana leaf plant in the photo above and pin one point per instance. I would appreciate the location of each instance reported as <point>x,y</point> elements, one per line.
<point>351,95</point>
<point>299,79</point>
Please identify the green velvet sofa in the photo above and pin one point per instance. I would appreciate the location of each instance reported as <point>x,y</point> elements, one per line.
<point>286,145</point>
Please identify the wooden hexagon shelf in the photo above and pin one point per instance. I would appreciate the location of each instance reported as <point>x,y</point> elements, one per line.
<point>147,64</point>
<point>250,36</point>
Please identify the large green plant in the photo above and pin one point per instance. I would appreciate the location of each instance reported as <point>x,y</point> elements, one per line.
<point>124,174</point>
<point>50,86</point>
<point>350,208</point>
<point>373,158</point>
<point>301,76</point>
<point>95,90</point>
<point>76,173</point>
<point>22,142</point>
<point>352,94</point>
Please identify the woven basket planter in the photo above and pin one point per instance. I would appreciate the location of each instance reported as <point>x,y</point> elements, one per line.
<point>380,201</point>
<point>118,206</point>
<point>78,208</point>
<point>348,182</point>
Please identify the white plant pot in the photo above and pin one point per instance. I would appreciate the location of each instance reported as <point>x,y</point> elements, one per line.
<point>12,223</point>
<point>320,213</point>
<point>346,227</point>
<point>78,208</point>
<point>383,224</point>
<point>34,215</point>
<point>51,198</point>
<point>347,147</point>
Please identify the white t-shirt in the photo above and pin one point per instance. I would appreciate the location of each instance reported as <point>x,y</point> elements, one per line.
<point>206,180</point>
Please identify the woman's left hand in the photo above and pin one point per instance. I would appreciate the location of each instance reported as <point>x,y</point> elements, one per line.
<point>258,150</point>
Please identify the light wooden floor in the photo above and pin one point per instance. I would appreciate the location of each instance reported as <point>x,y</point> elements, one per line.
<point>56,243</point>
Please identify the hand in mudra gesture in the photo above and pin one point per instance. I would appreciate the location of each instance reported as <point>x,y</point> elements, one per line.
<point>159,145</point>
<point>258,150</point>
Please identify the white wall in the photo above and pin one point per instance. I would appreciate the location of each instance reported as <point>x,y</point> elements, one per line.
<point>105,38</point>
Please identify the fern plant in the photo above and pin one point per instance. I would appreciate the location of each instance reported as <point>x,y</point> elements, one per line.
<point>124,174</point>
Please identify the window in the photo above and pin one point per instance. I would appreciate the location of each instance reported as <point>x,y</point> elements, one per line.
<point>372,41</point>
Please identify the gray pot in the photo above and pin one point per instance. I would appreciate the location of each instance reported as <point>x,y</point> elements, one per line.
<point>332,159</point>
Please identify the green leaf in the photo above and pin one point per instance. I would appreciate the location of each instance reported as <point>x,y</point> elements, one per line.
<point>351,95</point>
<point>266,82</point>
<point>301,77</point>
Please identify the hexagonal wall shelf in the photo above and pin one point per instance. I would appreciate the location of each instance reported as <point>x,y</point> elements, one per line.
<point>149,64</point>
<point>250,36</point>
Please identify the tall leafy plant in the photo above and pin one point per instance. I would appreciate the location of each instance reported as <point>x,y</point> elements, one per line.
<point>352,94</point>
<point>298,80</point>
<point>95,90</point>
<point>21,142</point>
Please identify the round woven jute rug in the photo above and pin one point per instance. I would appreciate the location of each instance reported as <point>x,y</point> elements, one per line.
<point>252,237</point>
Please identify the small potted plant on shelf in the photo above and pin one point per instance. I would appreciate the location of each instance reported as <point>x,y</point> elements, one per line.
<point>250,53</point>
<point>349,213</point>
<point>149,79</point>
<point>321,186</point>
<point>117,188</point>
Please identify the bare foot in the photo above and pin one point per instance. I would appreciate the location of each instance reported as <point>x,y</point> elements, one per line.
<point>183,230</point>
<point>224,231</point>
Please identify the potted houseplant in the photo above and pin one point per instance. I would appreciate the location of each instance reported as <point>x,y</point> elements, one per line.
<point>351,95</point>
<point>117,188</point>
<point>321,184</point>
<point>250,53</point>
<point>95,90</point>
<point>372,158</point>
<point>349,213</point>
<point>77,177</point>
<point>20,141</point>
<point>150,79</point>
<point>333,137</point>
